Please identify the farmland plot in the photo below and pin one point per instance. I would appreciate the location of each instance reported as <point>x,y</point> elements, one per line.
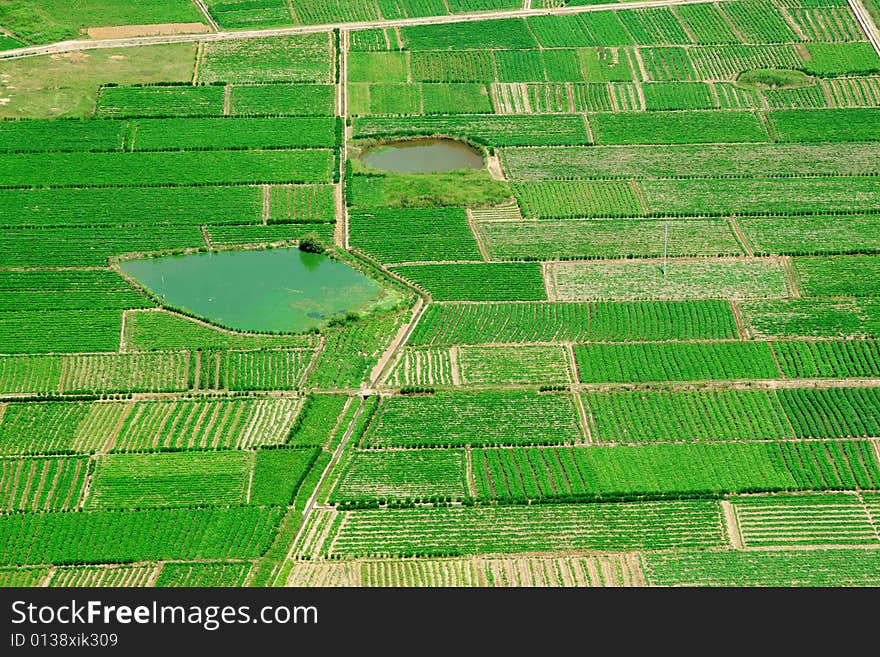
<point>475,418</point>
<point>412,474</point>
<point>684,279</point>
<point>520,365</point>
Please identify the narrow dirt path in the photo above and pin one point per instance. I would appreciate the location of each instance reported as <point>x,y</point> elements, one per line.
<point>732,525</point>
<point>207,14</point>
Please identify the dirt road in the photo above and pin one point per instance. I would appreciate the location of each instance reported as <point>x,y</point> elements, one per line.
<point>70,46</point>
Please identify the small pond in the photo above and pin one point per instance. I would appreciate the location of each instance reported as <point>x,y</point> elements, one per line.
<point>284,290</point>
<point>423,156</point>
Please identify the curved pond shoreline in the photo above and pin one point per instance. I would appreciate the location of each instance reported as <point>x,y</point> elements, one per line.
<point>268,290</point>
<point>423,155</point>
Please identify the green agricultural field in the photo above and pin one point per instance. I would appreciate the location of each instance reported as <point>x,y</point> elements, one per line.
<point>631,339</point>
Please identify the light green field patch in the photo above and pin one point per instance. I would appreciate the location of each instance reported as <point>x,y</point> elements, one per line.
<point>707,278</point>
<point>66,85</point>
<point>377,67</point>
<point>526,364</point>
<point>298,58</point>
<point>404,474</point>
<point>578,238</point>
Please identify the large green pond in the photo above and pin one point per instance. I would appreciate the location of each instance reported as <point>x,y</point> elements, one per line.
<point>268,290</point>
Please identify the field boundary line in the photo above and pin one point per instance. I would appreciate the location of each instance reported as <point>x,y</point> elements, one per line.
<point>207,14</point>
<point>310,504</point>
<point>548,273</point>
<point>316,352</point>
<point>792,23</point>
<point>455,368</point>
<point>633,183</point>
<point>200,53</point>
<point>253,463</point>
<point>206,237</point>
<point>393,353</point>
<point>122,331</point>
<point>267,203</point>
<point>154,575</point>
<point>776,359</point>
<point>50,573</point>
<point>227,100</point>
<point>472,224</point>
<point>738,320</point>
<point>469,472</point>
<point>740,237</point>
<point>731,520</point>
<point>583,419</point>
<point>792,277</point>
<point>343,147</point>
<point>871,519</point>
<point>221,35</point>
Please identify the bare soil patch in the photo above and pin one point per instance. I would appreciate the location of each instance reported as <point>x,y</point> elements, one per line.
<point>159,29</point>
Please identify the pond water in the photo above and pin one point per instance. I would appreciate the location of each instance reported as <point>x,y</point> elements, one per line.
<point>423,156</point>
<point>283,290</point>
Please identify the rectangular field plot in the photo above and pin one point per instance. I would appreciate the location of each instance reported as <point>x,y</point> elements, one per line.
<point>586,473</point>
<point>164,168</point>
<point>606,238</point>
<point>412,235</point>
<point>123,481</point>
<point>686,161</point>
<point>47,484</point>
<point>291,203</point>
<point>813,234</point>
<point>144,207</point>
<point>677,128</point>
<point>67,290</point>
<point>628,417</point>
<point>265,370</point>
<point>479,530</point>
<point>684,279</point>
<point>422,367</point>
<point>581,198</point>
<point>574,322</point>
<point>842,125</point>
<point>104,576</point>
<point>46,136</point>
<point>507,33</point>
<point>833,412</point>
<point>855,276</point>
<point>828,358</point>
<point>278,474</point>
<point>233,133</point>
<point>300,58</point>
<point>760,195</point>
<point>479,418</point>
<point>831,318</point>
<point>513,365</point>
<point>412,474</point>
<point>630,363</point>
<point>59,331</point>
<point>832,567</point>
<point>283,100</point>
<point>831,519</point>
<point>520,281</point>
<point>207,424</point>
<point>537,130</point>
<point>203,574</point>
<point>160,101</point>
<point>124,536</point>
